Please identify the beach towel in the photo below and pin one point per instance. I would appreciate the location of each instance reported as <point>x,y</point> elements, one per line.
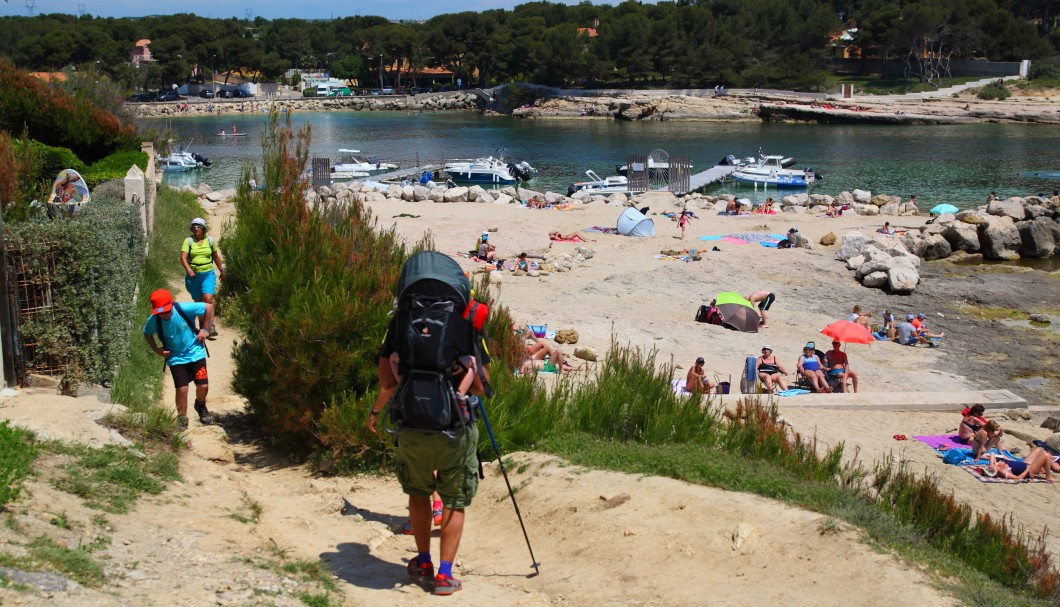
<point>712,237</point>
<point>679,387</point>
<point>979,472</point>
<point>792,392</point>
<point>602,230</point>
<point>940,440</point>
<point>732,240</point>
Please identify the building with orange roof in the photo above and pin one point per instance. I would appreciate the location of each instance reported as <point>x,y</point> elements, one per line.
<point>140,53</point>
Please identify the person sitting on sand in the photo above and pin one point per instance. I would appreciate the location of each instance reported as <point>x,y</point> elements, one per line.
<point>832,210</point>
<point>971,423</point>
<point>556,236</point>
<point>811,367</point>
<point>734,208</point>
<point>1037,462</point>
<point>886,229</point>
<point>696,381</point>
<point>536,203</point>
<point>920,322</point>
<point>909,336</point>
<point>988,437</point>
<point>769,370</point>
<point>858,316</point>
<point>521,263</point>
<point>486,251</point>
<point>839,366</point>
<point>547,359</point>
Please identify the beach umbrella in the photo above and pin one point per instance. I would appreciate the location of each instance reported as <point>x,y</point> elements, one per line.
<point>939,209</point>
<point>737,313</point>
<point>849,332</point>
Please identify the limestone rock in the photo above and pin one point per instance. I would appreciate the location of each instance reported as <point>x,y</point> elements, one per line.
<point>962,236</point>
<point>889,209</point>
<point>503,199</point>
<point>566,336</point>
<point>902,280</point>
<point>408,193</point>
<point>936,247</point>
<point>1036,238</point>
<point>973,217</point>
<point>420,193</point>
<point>854,244</point>
<point>457,194</point>
<point>862,196</point>
<point>1011,207</point>
<point>1051,423</point>
<point>866,209</point>
<point>1054,441</point>
<point>437,195</point>
<point>875,280</point>
<point>1000,239</point>
<point>1040,318</point>
<point>393,191</point>
<point>586,354</point>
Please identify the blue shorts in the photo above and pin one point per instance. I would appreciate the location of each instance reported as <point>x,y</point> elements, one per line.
<point>203,283</point>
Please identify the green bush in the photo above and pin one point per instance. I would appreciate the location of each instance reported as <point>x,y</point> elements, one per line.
<point>994,90</point>
<point>88,266</point>
<point>17,452</point>
<point>114,166</point>
<point>315,284</point>
<point>309,92</point>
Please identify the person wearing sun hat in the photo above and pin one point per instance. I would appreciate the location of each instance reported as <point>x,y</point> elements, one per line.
<point>696,381</point>
<point>769,370</point>
<point>199,255</point>
<point>183,348</point>
<point>486,251</point>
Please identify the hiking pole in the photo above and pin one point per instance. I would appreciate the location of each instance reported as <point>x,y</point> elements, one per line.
<point>497,450</point>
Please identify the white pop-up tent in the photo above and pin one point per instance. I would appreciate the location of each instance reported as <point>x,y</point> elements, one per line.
<point>633,223</point>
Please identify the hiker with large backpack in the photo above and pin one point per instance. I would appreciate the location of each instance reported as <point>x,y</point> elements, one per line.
<point>435,324</point>
<point>183,347</point>
<point>199,255</point>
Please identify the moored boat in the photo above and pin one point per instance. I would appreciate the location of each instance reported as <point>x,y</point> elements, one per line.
<point>615,184</point>
<point>489,170</point>
<point>352,161</point>
<point>182,162</point>
<point>770,171</point>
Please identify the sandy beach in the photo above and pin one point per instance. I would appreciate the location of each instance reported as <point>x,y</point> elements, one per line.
<point>600,536</point>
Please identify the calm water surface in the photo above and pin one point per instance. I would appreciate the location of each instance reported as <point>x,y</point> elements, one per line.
<point>958,164</point>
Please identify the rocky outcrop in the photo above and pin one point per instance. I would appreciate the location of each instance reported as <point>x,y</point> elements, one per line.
<point>882,262</point>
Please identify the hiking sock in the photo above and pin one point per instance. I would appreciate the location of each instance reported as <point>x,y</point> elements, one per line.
<point>446,568</point>
<point>425,557</point>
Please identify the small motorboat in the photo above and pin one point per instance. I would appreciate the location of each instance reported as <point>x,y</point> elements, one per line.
<point>733,161</point>
<point>770,171</point>
<point>182,162</point>
<point>353,162</point>
<point>489,170</point>
<point>615,184</point>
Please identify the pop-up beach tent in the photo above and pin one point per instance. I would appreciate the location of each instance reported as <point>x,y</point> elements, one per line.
<point>633,223</point>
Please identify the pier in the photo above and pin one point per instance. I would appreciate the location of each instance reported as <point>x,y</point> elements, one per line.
<point>400,174</point>
<point>712,175</point>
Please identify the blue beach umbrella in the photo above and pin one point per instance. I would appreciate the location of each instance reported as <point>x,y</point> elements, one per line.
<point>939,209</point>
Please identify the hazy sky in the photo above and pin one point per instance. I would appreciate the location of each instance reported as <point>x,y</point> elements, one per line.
<point>270,9</point>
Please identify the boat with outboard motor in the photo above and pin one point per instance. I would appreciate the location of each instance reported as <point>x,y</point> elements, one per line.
<point>182,162</point>
<point>770,171</point>
<point>355,164</point>
<point>615,184</point>
<point>489,170</point>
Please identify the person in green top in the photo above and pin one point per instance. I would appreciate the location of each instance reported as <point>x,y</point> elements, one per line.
<point>199,255</point>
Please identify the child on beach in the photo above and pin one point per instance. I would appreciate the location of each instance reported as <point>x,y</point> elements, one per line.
<point>682,221</point>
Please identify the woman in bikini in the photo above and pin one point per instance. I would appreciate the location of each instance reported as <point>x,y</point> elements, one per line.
<point>811,367</point>
<point>971,424</point>
<point>769,370</point>
<point>988,437</point>
<point>572,237</point>
<point>1037,462</point>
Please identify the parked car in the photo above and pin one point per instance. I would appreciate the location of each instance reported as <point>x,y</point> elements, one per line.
<point>141,97</point>
<point>167,96</point>
<point>414,90</point>
<point>377,92</point>
<point>388,90</point>
<point>241,94</point>
<point>206,93</point>
<point>340,92</point>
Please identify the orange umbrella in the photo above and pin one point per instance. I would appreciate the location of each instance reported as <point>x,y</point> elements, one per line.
<point>849,332</point>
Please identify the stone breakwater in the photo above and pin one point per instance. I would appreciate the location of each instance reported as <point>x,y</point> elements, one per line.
<point>410,103</point>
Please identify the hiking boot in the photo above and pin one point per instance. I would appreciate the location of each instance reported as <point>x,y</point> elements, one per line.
<point>213,332</point>
<point>444,585</point>
<point>421,573</point>
<point>183,422</point>
<point>204,414</point>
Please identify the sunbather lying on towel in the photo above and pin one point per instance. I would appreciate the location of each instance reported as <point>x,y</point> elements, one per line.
<point>555,236</point>
<point>1037,462</point>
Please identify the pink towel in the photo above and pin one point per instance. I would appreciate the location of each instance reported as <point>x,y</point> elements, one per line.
<point>733,240</point>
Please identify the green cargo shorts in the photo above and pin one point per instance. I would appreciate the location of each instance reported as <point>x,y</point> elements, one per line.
<point>420,454</point>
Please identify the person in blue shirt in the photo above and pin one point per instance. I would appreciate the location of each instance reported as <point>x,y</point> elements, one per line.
<point>183,348</point>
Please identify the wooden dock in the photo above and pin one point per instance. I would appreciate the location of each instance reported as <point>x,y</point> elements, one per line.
<point>400,174</point>
<point>709,176</point>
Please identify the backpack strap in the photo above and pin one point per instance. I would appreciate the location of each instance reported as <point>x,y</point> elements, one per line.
<point>209,242</point>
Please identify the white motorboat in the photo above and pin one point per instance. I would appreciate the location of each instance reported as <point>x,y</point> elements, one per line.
<point>731,160</point>
<point>359,165</point>
<point>615,184</point>
<point>182,162</point>
<point>656,168</point>
<point>770,171</point>
<point>489,170</point>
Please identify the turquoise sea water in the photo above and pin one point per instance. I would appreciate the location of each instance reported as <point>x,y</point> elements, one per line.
<point>958,164</point>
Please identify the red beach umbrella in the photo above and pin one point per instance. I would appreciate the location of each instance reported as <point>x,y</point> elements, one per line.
<point>849,332</point>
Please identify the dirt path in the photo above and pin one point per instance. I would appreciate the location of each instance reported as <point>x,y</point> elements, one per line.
<point>599,536</point>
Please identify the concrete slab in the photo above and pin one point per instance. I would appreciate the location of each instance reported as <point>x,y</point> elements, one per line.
<point>905,401</point>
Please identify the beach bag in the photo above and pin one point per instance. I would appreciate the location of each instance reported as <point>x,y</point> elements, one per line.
<point>434,325</point>
<point>701,313</point>
<point>955,456</point>
<point>749,381</point>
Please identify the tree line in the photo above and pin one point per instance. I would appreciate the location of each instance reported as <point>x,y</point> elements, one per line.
<point>681,43</point>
